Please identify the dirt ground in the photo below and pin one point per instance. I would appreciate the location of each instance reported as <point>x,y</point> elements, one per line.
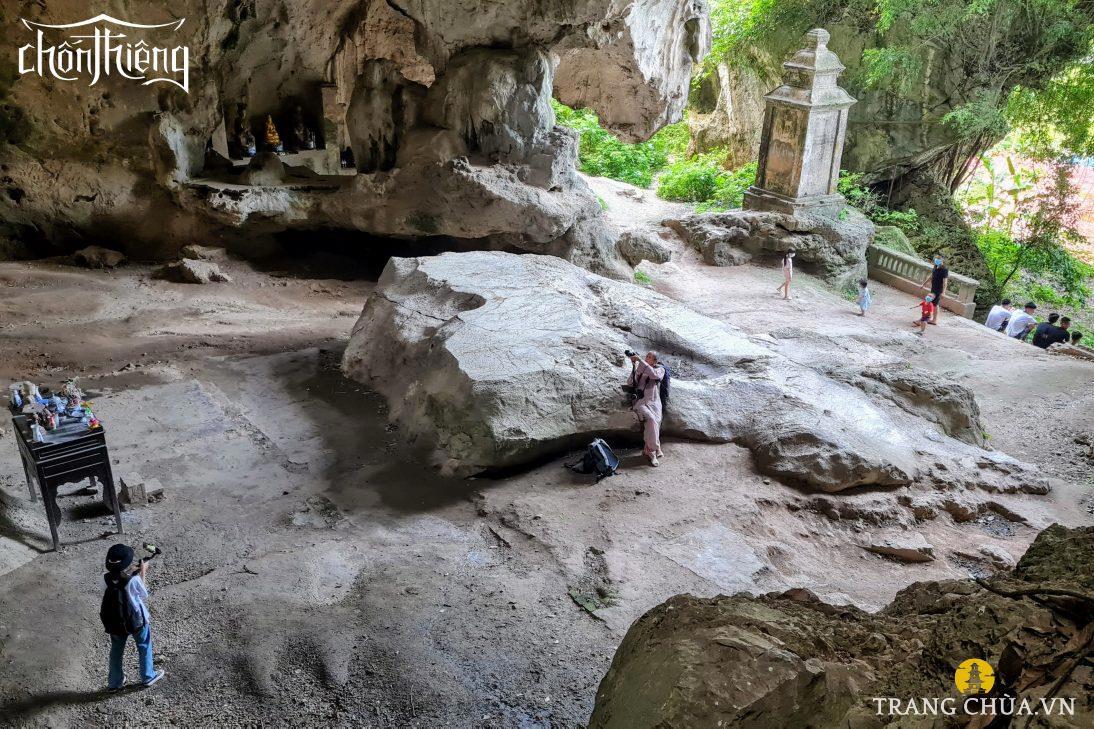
<point>316,572</point>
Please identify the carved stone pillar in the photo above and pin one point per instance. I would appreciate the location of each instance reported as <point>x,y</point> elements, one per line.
<point>802,141</point>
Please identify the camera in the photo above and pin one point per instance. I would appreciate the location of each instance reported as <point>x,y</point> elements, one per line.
<point>630,353</point>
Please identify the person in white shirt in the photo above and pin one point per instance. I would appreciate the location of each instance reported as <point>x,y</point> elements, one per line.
<point>999,316</point>
<point>1023,322</point>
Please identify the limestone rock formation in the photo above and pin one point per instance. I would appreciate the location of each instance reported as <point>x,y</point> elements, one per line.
<point>832,248</point>
<point>639,244</point>
<point>444,104</point>
<point>905,547</point>
<point>791,660</point>
<point>98,257</point>
<point>493,359</point>
<point>949,405</point>
<point>194,271</point>
<point>635,102</point>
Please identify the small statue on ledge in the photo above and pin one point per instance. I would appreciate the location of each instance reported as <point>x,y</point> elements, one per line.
<point>304,136</point>
<point>244,138</point>
<point>273,139</point>
<point>247,143</point>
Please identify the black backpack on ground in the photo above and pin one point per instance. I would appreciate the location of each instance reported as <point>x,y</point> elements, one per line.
<point>117,612</point>
<point>598,459</point>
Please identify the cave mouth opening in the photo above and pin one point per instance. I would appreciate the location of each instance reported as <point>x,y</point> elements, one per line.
<point>349,255</point>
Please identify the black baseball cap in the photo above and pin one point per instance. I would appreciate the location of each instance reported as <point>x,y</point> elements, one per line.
<point>119,557</point>
<point>1030,305</point>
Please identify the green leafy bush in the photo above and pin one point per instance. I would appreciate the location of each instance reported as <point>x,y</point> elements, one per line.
<point>695,179</point>
<point>602,154</point>
<point>702,179</point>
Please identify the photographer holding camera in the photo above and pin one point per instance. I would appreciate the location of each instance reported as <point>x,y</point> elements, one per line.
<point>644,385</point>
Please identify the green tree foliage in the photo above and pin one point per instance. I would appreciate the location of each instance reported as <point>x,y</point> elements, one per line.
<point>1024,230</point>
<point>1027,63</point>
<point>1000,201</point>
<point>1057,120</point>
<point>1036,51</point>
<point>600,152</point>
<point>740,26</point>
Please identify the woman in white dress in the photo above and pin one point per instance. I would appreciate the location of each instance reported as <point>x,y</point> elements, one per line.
<point>788,274</point>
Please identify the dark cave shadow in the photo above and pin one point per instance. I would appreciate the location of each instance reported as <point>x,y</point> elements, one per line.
<point>83,512</point>
<point>30,540</point>
<point>350,255</point>
<point>352,421</point>
<point>25,708</point>
<point>369,455</point>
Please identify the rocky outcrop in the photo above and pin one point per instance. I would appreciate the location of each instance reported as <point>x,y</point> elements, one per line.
<point>98,257</point>
<point>635,101</point>
<point>445,106</point>
<point>832,248</point>
<point>492,359</point>
<point>791,660</point>
<point>194,271</point>
<point>947,404</point>
<point>639,244</point>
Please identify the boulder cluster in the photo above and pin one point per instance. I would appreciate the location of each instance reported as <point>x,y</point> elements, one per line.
<point>790,659</point>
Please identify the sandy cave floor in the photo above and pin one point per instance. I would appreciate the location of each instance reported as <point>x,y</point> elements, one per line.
<point>315,571</point>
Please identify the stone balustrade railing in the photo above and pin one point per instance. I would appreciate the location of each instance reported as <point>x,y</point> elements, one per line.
<point>906,273</point>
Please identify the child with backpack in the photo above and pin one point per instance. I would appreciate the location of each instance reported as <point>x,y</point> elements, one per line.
<point>124,614</point>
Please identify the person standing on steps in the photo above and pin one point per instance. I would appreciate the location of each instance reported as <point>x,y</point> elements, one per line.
<point>788,274</point>
<point>124,615</point>
<point>646,377</point>
<point>938,277</point>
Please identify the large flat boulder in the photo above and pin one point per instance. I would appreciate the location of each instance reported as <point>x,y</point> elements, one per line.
<point>494,359</point>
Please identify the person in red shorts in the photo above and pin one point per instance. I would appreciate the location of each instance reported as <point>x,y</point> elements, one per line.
<point>926,309</point>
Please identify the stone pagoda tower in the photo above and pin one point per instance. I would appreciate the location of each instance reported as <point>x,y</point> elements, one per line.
<point>802,141</point>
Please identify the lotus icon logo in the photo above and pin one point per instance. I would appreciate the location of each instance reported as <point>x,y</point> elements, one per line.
<point>974,676</point>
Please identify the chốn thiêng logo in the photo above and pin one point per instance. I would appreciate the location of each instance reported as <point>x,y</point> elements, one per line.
<point>103,46</point>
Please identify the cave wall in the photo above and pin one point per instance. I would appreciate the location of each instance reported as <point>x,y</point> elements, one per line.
<point>416,86</point>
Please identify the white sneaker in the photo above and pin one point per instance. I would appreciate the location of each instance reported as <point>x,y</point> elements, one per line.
<point>653,459</point>
<point>125,679</point>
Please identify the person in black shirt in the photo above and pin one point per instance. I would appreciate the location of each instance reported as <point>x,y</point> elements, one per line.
<point>938,277</point>
<point>1065,324</point>
<point>1047,333</point>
